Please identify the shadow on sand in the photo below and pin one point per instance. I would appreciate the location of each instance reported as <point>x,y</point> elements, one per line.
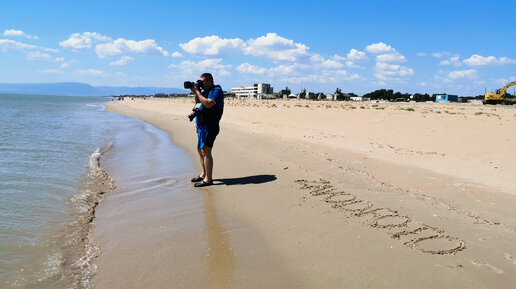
<point>257,179</point>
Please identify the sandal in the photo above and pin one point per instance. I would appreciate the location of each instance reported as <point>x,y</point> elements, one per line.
<point>203,184</point>
<point>197,179</point>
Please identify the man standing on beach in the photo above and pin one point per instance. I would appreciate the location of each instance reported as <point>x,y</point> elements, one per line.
<point>207,121</point>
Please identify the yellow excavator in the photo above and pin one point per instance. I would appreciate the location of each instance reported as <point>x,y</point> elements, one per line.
<point>499,96</point>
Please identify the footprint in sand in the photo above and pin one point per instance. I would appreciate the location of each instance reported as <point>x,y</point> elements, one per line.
<point>478,264</point>
<point>509,258</point>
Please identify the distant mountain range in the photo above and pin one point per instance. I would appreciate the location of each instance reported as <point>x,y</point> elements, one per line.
<point>82,89</point>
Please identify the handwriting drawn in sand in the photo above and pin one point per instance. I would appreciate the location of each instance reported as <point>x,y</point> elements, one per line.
<point>415,235</point>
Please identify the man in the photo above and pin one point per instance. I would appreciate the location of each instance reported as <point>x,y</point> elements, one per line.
<point>211,109</point>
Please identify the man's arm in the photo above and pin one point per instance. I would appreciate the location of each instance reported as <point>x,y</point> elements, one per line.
<point>208,103</point>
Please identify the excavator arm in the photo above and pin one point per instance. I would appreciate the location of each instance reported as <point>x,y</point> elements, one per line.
<point>499,97</point>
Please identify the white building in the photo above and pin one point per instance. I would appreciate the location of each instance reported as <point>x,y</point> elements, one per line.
<point>258,90</point>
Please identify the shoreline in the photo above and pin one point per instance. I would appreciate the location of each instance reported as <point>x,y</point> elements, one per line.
<point>431,228</point>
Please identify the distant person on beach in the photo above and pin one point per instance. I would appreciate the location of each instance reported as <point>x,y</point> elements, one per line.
<point>212,106</point>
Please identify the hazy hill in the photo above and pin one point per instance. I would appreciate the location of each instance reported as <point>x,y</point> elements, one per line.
<point>81,89</point>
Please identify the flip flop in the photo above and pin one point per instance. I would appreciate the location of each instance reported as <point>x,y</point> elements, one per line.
<point>197,179</point>
<point>203,184</point>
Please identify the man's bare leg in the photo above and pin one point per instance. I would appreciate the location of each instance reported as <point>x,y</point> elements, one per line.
<point>203,165</point>
<point>208,164</point>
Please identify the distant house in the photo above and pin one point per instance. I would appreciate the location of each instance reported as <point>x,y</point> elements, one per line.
<point>446,98</point>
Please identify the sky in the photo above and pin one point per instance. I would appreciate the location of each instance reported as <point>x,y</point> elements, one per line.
<point>458,47</point>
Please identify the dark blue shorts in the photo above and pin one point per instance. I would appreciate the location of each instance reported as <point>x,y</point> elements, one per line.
<point>206,135</point>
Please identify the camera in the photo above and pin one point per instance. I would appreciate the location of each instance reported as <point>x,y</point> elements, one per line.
<point>195,112</point>
<point>190,84</point>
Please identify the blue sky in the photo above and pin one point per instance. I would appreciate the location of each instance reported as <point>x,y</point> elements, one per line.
<point>460,47</point>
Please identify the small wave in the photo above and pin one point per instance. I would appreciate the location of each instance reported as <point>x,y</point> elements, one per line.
<point>78,247</point>
<point>100,107</point>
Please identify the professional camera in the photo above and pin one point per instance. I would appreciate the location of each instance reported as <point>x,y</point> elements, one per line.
<point>195,112</point>
<point>189,84</point>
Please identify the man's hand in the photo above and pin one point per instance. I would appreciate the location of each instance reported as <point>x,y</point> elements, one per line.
<point>194,91</point>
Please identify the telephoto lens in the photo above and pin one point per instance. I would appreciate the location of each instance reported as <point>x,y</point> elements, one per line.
<point>188,84</point>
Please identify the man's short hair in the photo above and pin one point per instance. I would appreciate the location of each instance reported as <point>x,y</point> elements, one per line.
<point>207,76</point>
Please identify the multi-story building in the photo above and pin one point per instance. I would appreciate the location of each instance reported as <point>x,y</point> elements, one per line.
<point>258,90</point>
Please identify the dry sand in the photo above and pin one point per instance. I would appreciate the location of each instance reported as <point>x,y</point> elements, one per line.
<point>335,195</point>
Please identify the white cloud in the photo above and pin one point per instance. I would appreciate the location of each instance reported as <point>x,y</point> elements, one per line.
<point>213,46</point>
<point>59,59</point>
<point>380,48</point>
<point>83,41</point>
<point>352,64</point>
<point>338,57</point>
<point>451,61</point>
<point>386,71</point>
<point>65,65</point>
<point>36,55</point>
<point>14,32</point>
<point>460,74</point>
<point>275,47</point>
<point>388,61</point>
<point>441,54</point>
<point>391,57</point>
<point>192,68</point>
<point>122,61</point>
<point>478,60</point>
<point>176,54</point>
<point>283,69</point>
<point>247,68</point>
<point>7,45</point>
<point>122,46</point>
<point>331,64</point>
<point>92,72</point>
<point>356,55</point>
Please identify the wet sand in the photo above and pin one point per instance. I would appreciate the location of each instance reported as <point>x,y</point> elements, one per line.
<point>323,195</point>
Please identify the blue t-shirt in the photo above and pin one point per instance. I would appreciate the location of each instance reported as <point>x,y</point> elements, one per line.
<point>215,94</point>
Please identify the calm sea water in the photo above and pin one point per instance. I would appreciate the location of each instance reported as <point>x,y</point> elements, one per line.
<point>49,182</point>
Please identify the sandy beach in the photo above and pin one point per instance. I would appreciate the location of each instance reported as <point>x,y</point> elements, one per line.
<point>320,194</point>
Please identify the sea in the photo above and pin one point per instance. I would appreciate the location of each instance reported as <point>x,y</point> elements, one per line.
<point>51,180</point>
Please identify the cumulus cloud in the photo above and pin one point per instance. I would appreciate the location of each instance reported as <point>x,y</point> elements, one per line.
<point>478,60</point>
<point>331,64</point>
<point>451,61</point>
<point>356,55</point>
<point>275,47</point>
<point>391,57</point>
<point>388,63</point>
<point>386,71</point>
<point>122,61</point>
<point>338,57</point>
<point>192,68</point>
<point>380,48</point>
<point>92,72</point>
<point>83,41</point>
<point>14,32</point>
<point>213,46</point>
<point>463,74</point>
<point>441,54</point>
<point>59,59</point>
<point>7,45</point>
<point>176,54</point>
<point>247,68</point>
<point>36,55</point>
<point>283,69</point>
<point>122,46</point>
<point>65,65</point>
